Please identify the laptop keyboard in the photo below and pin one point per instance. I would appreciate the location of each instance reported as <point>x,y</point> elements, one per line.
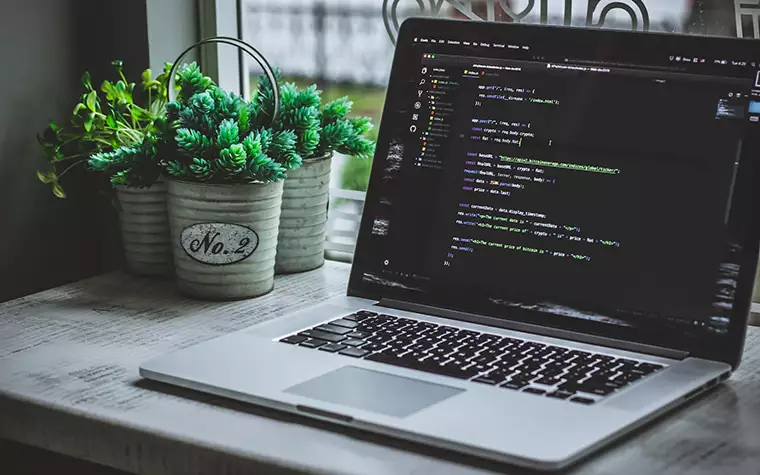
<point>511,363</point>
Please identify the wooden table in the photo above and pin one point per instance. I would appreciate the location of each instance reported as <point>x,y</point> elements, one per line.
<point>69,384</point>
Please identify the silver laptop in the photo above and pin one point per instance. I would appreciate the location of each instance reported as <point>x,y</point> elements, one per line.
<point>558,245</point>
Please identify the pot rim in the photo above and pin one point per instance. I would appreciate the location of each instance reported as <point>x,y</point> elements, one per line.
<point>224,185</point>
<point>326,156</point>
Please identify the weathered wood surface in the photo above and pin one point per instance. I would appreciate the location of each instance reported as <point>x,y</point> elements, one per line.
<point>69,383</point>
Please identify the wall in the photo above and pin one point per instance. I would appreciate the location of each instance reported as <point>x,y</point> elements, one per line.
<point>45,45</point>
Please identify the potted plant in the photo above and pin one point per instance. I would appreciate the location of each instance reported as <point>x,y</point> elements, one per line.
<point>321,130</point>
<point>115,135</point>
<point>225,186</point>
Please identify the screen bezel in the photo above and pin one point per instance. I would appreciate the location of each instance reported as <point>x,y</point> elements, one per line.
<point>727,347</point>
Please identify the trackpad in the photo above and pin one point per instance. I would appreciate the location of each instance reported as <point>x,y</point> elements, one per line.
<point>374,391</point>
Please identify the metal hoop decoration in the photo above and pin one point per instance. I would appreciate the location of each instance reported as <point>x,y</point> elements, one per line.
<point>240,44</point>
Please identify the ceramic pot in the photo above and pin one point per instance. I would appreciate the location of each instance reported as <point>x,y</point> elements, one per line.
<point>145,229</point>
<point>306,193</point>
<point>224,238</point>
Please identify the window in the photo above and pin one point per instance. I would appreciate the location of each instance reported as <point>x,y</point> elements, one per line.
<point>346,47</point>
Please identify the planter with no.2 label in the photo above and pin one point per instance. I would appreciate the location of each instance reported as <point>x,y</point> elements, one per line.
<point>224,237</point>
<point>145,229</point>
<point>301,244</point>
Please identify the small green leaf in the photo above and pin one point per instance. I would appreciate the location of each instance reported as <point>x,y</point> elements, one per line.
<point>58,191</point>
<point>140,114</point>
<point>108,89</point>
<point>43,177</point>
<point>88,121</point>
<point>78,108</point>
<point>54,127</point>
<point>86,81</point>
<point>100,121</point>
<point>91,100</point>
<point>111,121</point>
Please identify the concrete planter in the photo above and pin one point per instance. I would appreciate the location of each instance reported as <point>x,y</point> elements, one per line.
<point>145,230</point>
<point>301,245</point>
<point>224,238</point>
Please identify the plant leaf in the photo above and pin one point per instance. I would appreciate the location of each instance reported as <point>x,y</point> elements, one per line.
<point>58,191</point>
<point>88,121</point>
<point>91,100</point>
<point>86,80</point>
<point>43,177</point>
<point>78,108</point>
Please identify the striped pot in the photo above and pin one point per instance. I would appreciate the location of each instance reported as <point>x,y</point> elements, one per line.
<point>301,245</point>
<point>224,238</point>
<point>145,229</point>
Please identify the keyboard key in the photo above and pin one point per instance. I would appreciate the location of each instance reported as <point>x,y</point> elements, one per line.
<point>582,400</point>
<point>355,352</point>
<point>373,347</point>
<point>312,343</point>
<point>341,322</point>
<point>357,334</point>
<point>485,359</point>
<point>560,394</point>
<point>332,347</point>
<point>486,380</point>
<point>378,339</point>
<point>353,342</point>
<point>516,385</point>
<point>330,328</point>
<point>294,339</point>
<point>362,314</point>
<point>534,391</point>
<point>548,381</point>
<point>435,359</point>
<point>599,390</point>
<point>438,351</point>
<point>331,337</point>
<point>649,367</point>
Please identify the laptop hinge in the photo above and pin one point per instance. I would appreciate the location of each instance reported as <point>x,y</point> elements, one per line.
<point>535,329</point>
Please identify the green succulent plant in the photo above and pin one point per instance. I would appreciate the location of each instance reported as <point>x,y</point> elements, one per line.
<point>219,137</point>
<point>319,129</point>
<point>104,121</point>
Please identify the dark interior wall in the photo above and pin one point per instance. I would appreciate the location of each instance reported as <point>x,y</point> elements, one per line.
<point>45,45</point>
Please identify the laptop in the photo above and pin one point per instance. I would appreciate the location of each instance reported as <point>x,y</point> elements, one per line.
<point>558,245</point>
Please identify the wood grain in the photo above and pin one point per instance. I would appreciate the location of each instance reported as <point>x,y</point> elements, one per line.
<point>69,384</point>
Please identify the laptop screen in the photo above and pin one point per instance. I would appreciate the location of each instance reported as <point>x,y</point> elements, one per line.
<point>589,180</point>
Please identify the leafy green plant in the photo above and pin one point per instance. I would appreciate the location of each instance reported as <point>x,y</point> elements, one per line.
<point>221,138</point>
<point>320,129</point>
<point>104,122</point>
